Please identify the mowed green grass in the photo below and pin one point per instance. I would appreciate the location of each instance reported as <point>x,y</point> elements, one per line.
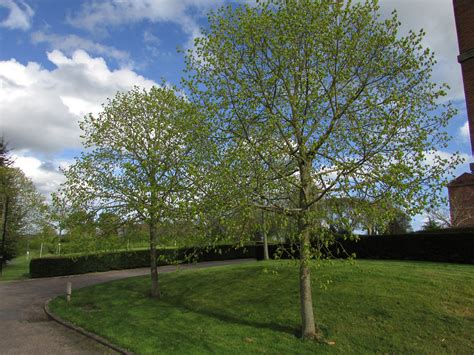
<point>369,307</point>
<point>16,269</point>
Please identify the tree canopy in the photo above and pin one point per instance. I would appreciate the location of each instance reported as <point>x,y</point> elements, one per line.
<point>22,209</point>
<point>141,156</point>
<point>332,102</point>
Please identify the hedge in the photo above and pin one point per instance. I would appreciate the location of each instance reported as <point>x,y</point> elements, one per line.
<point>70,265</point>
<point>452,247</point>
<point>456,247</point>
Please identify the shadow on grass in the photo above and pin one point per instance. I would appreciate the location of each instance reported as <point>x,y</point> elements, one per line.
<point>232,319</point>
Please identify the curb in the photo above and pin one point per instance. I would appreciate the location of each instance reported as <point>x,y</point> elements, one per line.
<point>82,331</point>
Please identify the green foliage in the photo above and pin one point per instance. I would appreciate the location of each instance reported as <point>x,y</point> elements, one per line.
<point>349,112</point>
<point>25,210</point>
<point>142,162</point>
<point>139,158</point>
<point>311,100</point>
<point>370,307</point>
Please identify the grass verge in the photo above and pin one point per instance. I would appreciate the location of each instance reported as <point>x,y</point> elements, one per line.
<point>16,269</point>
<point>369,307</point>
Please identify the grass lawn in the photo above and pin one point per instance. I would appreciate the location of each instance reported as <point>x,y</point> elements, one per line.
<point>369,307</point>
<point>16,269</point>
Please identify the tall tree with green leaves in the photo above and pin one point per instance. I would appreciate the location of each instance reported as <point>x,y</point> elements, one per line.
<point>140,160</point>
<point>337,94</point>
<point>23,209</point>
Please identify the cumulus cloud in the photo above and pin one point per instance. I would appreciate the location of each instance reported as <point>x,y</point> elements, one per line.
<point>70,43</point>
<point>40,107</point>
<point>436,18</point>
<point>97,15</point>
<point>149,37</point>
<point>19,16</point>
<point>45,175</point>
<point>464,131</point>
<point>433,156</point>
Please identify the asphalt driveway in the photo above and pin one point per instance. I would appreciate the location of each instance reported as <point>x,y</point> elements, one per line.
<point>25,328</point>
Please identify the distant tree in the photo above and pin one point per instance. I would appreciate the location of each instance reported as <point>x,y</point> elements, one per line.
<point>141,158</point>
<point>22,210</point>
<point>431,225</point>
<point>5,158</point>
<point>399,224</point>
<point>442,216</point>
<point>333,93</point>
<point>108,225</point>
<point>450,216</point>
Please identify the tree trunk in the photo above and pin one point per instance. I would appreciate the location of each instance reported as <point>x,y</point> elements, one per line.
<point>155,291</point>
<point>309,330</point>
<point>265,239</point>
<point>4,231</point>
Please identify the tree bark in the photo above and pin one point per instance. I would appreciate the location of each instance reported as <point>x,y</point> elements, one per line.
<point>4,232</point>
<point>265,239</point>
<point>155,291</point>
<point>309,330</point>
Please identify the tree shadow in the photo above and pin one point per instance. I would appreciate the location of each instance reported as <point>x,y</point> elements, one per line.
<point>233,319</point>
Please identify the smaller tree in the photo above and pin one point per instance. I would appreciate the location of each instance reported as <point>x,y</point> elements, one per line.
<point>141,156</point>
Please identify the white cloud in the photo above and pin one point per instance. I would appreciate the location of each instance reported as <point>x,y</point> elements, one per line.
<point>45,175</point>
<point>97,15</point>
<point>70,43</point>
<point>432,157</point>
<point>149,37</point>
<point>40,107</point>
<point>464,131</point>
<point>436,18</point>
<point>19,17</point>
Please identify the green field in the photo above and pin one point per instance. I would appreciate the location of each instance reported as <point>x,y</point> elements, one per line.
<point>16,269</point>
<point>368,307</point>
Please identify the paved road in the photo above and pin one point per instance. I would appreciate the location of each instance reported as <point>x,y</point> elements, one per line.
<point>24,327</point>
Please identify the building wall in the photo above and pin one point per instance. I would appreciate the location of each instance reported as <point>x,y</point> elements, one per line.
<point>461,203</point>
<point>464,16</point>
<point>461,190</point>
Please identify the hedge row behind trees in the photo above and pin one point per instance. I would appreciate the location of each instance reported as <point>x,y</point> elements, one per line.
<point>454,247</point>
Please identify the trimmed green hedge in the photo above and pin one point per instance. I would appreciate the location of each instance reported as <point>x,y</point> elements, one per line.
<point>456,247</point>
<point>453,247</point>
<point>70,265</point>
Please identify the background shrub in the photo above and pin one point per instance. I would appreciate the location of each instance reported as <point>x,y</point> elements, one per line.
<point>80,264</point>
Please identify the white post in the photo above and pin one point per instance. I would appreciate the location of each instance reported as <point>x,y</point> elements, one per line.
<point>41,250</point>
<point>68,291</point>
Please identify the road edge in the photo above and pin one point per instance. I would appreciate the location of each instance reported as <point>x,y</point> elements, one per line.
<point>82,331</point>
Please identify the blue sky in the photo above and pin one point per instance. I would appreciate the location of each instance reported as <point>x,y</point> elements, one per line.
<point>60,59</point>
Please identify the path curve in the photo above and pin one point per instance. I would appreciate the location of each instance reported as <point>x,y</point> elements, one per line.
<point>25,328</point>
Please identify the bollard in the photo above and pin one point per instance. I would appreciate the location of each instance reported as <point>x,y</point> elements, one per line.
<point>68,291</point>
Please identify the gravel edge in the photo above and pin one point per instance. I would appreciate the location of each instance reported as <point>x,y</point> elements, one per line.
<point>82,331</point>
